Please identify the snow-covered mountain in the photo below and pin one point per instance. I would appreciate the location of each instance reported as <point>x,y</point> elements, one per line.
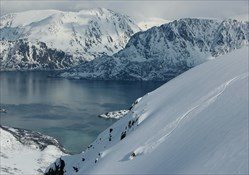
<point>197,123</point>
<point>25,55</point>
<point>162,53</point>
<point>81,35</point>
<point>27,152</point>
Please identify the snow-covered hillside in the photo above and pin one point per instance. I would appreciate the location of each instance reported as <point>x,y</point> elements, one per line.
<point>162,53</point>
<point>196,123</point>
<point>83,35</point>
<point>26,152</point>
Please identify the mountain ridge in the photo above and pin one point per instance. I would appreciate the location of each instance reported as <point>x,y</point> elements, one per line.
<point>163,52</point>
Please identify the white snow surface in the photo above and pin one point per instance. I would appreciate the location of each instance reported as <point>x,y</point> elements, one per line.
<point>19,158</point>
<point>197,123</point>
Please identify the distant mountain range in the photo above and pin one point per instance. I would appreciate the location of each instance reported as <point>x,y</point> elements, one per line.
<point>51,39</point>
<point>105,45</point>
<point>161,53</point>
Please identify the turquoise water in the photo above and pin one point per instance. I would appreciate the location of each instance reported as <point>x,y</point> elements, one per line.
<point>65,109</point>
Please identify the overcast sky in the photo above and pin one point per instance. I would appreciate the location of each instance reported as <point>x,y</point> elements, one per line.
<point>139,9</point>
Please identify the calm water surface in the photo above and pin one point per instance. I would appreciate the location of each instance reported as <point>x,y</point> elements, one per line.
<point>64,109</point>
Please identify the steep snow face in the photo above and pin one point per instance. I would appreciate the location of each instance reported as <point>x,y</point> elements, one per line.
<point>27,152</point>
<point>84,35</point>
<point>161,53</point>
<point>196,123</point>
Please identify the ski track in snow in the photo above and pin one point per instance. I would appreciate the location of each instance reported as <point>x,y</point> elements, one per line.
<point>202,104</point>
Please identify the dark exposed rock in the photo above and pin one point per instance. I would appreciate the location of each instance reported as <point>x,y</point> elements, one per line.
<point>133,154</point>
<point>123,135</point>
<point>58,169</point>
<point>75,169</point>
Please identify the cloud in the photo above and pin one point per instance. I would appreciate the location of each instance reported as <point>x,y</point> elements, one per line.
<point>139,10</point>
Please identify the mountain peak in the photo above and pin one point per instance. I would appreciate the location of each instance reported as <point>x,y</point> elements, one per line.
<point>84,35</point>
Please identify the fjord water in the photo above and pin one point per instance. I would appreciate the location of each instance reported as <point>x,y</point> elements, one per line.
<point>65,109</point>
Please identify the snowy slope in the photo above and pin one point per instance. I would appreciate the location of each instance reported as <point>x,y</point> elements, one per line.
<point>162,53</point>
<point>196,123</point>
<point>84,35</point>
<point>26,152</point>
